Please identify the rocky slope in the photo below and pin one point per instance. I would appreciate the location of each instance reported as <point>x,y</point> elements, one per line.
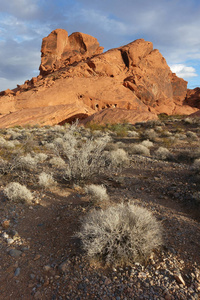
<point>77,80</point>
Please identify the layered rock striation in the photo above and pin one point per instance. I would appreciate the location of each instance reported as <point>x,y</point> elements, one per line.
<point>78,80</point>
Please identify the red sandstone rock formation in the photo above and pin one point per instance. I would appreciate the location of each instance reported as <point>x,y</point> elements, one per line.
<point>58,50</point>
<point>77,80</point>
<point>193,97</point>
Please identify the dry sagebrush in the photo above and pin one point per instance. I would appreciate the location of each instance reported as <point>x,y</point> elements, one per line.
<point>17,192</point>
<point>46,180</point>
<point>97,193</point>
<point>139,149</point>
<point>120,234</point>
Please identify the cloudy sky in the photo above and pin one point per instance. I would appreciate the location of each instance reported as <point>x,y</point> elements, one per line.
<point>172,25</point>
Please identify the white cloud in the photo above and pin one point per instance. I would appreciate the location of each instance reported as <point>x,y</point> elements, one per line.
<point>103,21</point>
<point>174,31</point>
<point>25,9</point>
<point>183,71</point>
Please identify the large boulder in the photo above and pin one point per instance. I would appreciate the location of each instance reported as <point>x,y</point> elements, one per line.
<point>78,80</point>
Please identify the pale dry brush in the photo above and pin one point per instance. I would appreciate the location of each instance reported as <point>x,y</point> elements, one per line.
<point>83,160</point>
<point>133,134</point>
<point>147,143</point>
<point>121,234</point>
<point>27,162</point>
<point>46,180</point>
<point>6,144</point>
<point>40,157</point>
<point>118,158</point>
<point>97,193</point>
<point>139,149</point>
<point>192,135</point>
<point>57,161</point>
<point>16,192</point>
<point>162,153</point>
<point>150,134</point>
<point>196,164</point>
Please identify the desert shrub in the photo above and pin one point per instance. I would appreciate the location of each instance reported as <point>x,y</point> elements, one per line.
<point>97,133</point>
<point>196,164</point>
<point>40,157</point>
<point>193,120</point>
<point>27,162</point>
<point>16,143</point>
<point>120,129</point>
<point>57,161</point>
<point>3,166</point>
<point>165,133</point>
<point>111,146</point>
<point>10,144</point>
<point>150,134</point>
<point>139,149</point>
<point>120,234</point>
<point>17,192</point>
<point>192,135</point>
<point>13,134</point>
<point>162,153</point>
<point>133,134</point>
<point>180,136</point>
<point>46,180</point>
<point>6,144</point>
<point>119,157</point>
<point>2,141</point>
<point>50,146</point>
<point>121,145</point>
<point>85,159</point>
<point>97,193</point>
<point>147,143</point>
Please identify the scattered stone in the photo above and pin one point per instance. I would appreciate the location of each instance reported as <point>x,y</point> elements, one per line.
<point>32,276</point>
<point>5,224</point>
<point>17,272</point>
<point>10,241</point>
<point>37,295</point>
<point>15,253</point>
<point>107,281</point>
<point>38,256</point>
<point>179,278</point>
<point>5,235</point>
<point>47,268</point>
<point>63,266</point>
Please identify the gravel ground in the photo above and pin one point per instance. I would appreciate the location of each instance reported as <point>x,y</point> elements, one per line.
<point>41,259</point>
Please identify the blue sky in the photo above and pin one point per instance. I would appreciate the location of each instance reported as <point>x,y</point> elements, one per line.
<point>172,25</point>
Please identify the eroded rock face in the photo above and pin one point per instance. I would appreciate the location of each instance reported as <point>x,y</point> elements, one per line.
<point>78,80</point>
<point>193,97</point>
<point>110,115</point>
<point>58,50</point>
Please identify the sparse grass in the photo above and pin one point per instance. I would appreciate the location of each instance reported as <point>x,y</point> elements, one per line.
<point>120,129</point>
<point>121,234</point>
